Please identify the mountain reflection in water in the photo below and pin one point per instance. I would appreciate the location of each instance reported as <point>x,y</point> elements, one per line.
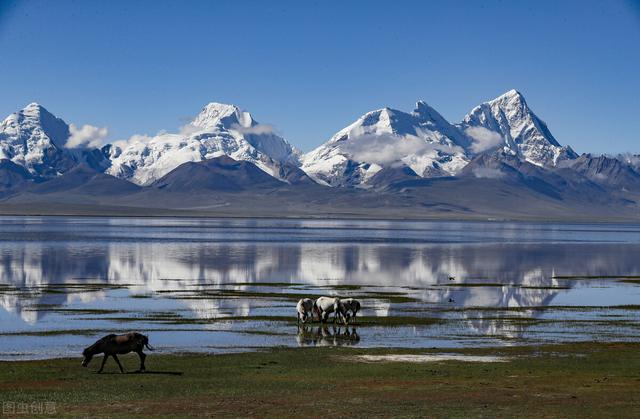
<point>100,263</point>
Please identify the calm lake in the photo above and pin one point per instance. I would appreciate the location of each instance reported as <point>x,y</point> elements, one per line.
<point>222,285</point>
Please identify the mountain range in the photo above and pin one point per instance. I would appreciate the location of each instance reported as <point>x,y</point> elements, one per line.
<point>500,161</point>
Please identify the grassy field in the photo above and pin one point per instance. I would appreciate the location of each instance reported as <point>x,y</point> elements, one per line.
<point>586,380</point>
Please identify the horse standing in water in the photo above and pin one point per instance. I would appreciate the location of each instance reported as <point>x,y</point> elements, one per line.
<point>327,305</point>
<point>305,309</point>
<point>113,345</point>
<point>352,305</point>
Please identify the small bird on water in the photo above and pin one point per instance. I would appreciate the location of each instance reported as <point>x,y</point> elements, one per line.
<point>452,278</point>
<point>451,300</point>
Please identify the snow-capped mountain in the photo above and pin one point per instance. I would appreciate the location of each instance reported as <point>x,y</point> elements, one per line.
<point>380,148</point>
<point>521,130</point>
<point>219,129</point>
<point>421,140</point>
<point>34,139</point>
<point>429,145</point>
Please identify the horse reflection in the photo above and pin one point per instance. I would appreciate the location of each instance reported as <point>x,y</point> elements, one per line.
<point>326,335</point>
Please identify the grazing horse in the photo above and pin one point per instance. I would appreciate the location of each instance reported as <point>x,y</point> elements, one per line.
<point>352,305</point>
<point>113,345</point>
<point>327,305</point>
<point>305,309</point>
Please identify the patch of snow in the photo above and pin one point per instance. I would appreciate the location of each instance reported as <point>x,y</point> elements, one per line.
<point>428,358</point>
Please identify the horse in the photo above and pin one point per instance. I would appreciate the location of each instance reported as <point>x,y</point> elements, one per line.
<point>305,309</point>
<point>113,345</point>
<point>351,304</point>
<point>327,305</point>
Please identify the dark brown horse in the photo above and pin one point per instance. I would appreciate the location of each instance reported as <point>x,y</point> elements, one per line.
<point>113,345</point>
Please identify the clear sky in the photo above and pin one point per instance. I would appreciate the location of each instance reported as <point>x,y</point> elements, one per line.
<point>312,67</point>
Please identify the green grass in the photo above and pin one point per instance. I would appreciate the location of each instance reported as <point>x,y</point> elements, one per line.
<point>577,380</point>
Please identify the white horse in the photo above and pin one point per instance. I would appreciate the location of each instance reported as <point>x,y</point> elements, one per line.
<point>305,309</point>
<point>350,305</point>
<point>327,305</point>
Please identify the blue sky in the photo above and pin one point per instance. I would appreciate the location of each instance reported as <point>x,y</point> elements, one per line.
<point>312,67</point>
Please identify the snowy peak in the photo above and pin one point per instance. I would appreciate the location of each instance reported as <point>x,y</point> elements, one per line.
<point>34,138</point>
<point>512,96</point>
<point>34,108</point>
<point>521,130</point>
<point>35,111</point>
<point>422,140</point>
<point>378,121</point>
<point>518,114</point>
<point>218,130</point>
<point>222,115</point>
<point>427,114</point>
<point>34,118</point>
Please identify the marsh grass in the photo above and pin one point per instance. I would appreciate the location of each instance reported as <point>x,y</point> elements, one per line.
<point>576,380</point>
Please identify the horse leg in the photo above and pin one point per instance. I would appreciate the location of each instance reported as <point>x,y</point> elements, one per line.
<point>142,356</point>
<point>118,362</point>
<point>104,360</point>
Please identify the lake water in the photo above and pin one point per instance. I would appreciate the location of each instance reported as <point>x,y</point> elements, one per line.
<point>221,285</point>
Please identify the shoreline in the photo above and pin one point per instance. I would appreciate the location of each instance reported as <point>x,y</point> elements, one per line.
<point>156,213</point>
<point>363,351</point>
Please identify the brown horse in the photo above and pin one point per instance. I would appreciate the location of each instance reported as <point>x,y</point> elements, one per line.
<point>113,345</point>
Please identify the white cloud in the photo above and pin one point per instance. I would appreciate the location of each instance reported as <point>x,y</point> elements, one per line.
<point>483,139</point>
<point>86,136</point>
<point>384,149</point>
<point>259,129</point>
<point>487,173</point>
